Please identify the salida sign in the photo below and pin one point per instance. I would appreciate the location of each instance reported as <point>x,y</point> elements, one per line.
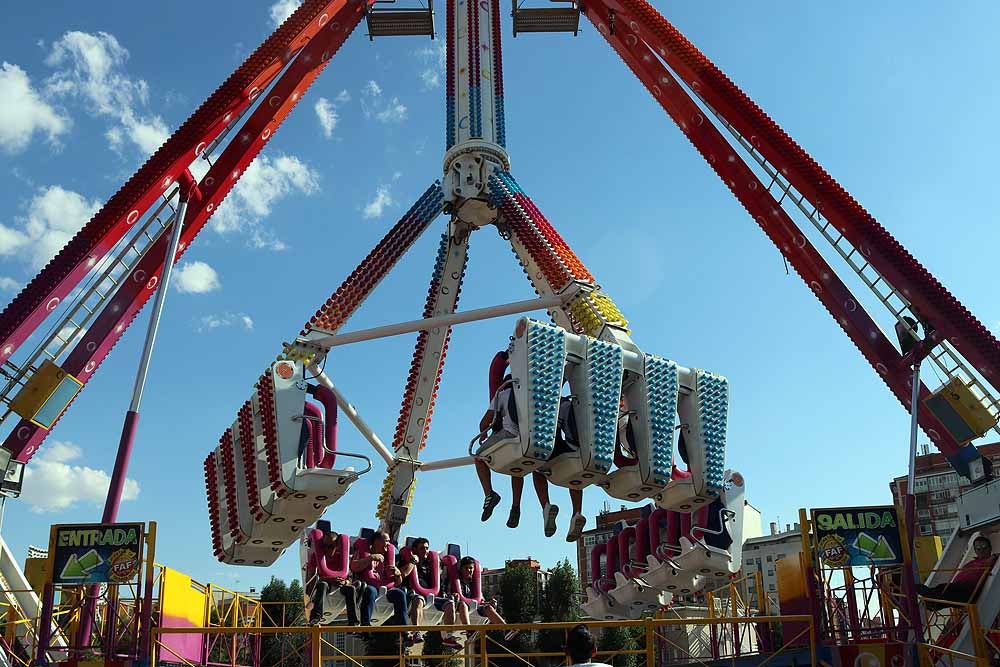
<point>96,553</point>
<point>852,536</point>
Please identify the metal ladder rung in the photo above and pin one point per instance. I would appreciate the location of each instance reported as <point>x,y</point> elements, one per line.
<point>946,359</point>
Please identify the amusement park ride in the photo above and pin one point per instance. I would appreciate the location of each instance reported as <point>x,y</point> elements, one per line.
<point>276,468</point>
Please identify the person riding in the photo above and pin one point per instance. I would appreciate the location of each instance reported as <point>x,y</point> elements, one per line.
<point>504,423</point>
<point>965,583</point>
<point>420,563</point>
<point>452,602</point>
<point>329,550</point>
<point>581,648</point>
<point>376,562</point>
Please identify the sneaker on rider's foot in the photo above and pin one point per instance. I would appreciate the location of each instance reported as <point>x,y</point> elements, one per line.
<point>576,525</point>
<point>549,513</point>
<point>511,634</point>
<point>489,504</point>
<point>514,517</point>
<point>450,642</point>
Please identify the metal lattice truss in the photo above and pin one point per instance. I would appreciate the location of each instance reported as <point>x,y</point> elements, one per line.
<point>117,257</point>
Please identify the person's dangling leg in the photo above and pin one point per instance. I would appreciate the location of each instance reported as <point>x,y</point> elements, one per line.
<point>397,596</point>
<point>320,590</point>
<point>516,489</point>
<point>486,481</point>
<point>350,594</point>
<point>549,511</point>
<point>368,595</point>
<point>578,521</point>
<point>448,639</point>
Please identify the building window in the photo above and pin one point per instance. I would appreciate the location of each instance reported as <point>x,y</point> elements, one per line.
<point>770,573</point>
<point>771,587</point>
<point>769,558</point>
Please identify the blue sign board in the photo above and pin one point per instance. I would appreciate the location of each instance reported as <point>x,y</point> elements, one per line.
<point>96,553</point>
<point>857,536</point>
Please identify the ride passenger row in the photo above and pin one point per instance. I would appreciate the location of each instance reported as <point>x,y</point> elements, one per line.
<point>576,411</point>
<point>367,580</point>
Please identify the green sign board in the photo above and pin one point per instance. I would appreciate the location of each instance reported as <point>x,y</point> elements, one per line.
<point>96,553</point>
<point>855,536</point>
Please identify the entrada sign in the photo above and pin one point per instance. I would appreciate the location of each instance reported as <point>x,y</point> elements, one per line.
<point>853,536</point>
<point>96,553</point>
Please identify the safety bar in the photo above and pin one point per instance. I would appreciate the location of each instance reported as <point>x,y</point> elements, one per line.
<point>724,515</point>
<point>356,473</point>
<point>472,443</point>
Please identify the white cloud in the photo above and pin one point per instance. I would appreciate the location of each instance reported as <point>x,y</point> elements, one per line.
<point>24,112</point>
<point>379,202</point>
<point>394,112</point>
<point>374,105</point>
<point>430,78</point>
<point>282,9</point>
<point>52,483</point>
<point>196,278</point>
<point>93,67</point>
<point>326,111</point>
<point>9,284</point>
<point>434,58</point>
<point>54,216</point>
<point>265,182</point>
<point>210,323</point>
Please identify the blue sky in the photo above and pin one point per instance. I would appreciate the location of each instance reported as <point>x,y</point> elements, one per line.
<point>897,103</point>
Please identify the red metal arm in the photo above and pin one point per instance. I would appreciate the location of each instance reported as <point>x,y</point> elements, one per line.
<point>132,294</point>
<point>880,352</point>
<point>948,316</point>
<point>33,304</point>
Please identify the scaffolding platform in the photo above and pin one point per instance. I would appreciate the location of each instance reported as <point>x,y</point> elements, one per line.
<point>399,21</point>
<point>563,18</point>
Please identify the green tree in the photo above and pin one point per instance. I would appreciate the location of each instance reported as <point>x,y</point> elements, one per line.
<point>621,639</point>
<point>558,603</point>
<point>282,606</point>
<point>518,593</point>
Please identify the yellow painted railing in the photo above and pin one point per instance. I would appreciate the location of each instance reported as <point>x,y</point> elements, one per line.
<point>659,642</point>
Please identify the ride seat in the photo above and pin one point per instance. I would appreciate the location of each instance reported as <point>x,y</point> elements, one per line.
<point>450,562</point>
<point>590,419</point>
<point>537,362</point>
<point>662,571</point>
<point>431,615</point>
<point>710,547</point>
<point>362,549</point>
<point>272,471</point>
<point>316,565</point>
<point>703,413</point>
<point>651,391</point>
<point>541,357</point>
